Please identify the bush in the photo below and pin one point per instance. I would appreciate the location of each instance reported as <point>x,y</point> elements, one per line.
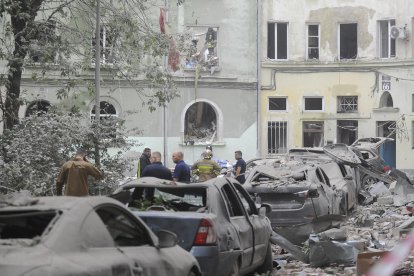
<point>34,151</point>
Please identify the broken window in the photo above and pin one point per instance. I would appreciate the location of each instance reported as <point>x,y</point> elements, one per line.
<point>37,108</point>
<point>386,42</point>
<point>347,104</point>
<point>313,103</point>
<point>200,123</point>
<point>313,134</point>
<point>277,40</point>
<point>108,118</point>
<point>348,43</point>
<point>107,39</point>
<point>277,103</point>
<point>386,100</point>
<point>25,224</point>
<point>347,131</point>
<point>276,137</point>
<point>313,41</point>
<point>386,129</point>
<point>202,50</point>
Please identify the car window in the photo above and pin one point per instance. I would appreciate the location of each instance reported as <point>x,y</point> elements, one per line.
<point>322,177</point>
<point>25,224</point>
<point>248,204</point>
<point>233,205</point>
<point>124,230</point>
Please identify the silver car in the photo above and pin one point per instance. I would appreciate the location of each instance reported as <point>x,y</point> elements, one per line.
<point>84,236</point>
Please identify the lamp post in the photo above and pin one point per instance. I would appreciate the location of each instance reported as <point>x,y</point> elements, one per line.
<point>97,78</point>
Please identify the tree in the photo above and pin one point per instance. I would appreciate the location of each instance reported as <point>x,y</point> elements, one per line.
<point>57,35</point>
<point>39,145</point>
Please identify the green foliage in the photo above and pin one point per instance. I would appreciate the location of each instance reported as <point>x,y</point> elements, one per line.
<point>34,151</point>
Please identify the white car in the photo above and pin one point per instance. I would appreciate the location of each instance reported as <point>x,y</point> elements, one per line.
<point>84,236</point>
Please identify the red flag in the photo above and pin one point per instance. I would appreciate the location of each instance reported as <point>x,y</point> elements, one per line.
<point>173,56</point>
<point>162,20</point>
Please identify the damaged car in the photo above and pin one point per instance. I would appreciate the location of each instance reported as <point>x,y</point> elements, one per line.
<point>84,236</point>
<point>373,167</point>
<point>216,220</point>
<point>306,196</point>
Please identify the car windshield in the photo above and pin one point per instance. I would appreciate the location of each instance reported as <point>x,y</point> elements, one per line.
<point>26,226</point>
<point>179,199</point>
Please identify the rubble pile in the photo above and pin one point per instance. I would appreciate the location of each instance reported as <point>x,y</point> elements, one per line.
<point>376,228</point>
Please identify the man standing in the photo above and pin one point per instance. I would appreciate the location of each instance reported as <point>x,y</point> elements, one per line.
<point>206,168</point>
<point>144,161</point>
<point>156,169</point>
<point>74,175</point>
<point>181,170</point>
<point>240,167</point>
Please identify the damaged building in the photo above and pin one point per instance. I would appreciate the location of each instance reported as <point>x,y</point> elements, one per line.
<point>334,72</point>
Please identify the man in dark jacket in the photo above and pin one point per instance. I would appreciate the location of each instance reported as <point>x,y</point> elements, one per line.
<point>156,169</point>
<point>240,167</point>
<point>144,161</point>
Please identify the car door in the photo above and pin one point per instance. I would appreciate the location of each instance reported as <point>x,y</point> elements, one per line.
<point>261,225</point>
<point>134,240</point>
<point>334,197</point>
<point>241,224</point>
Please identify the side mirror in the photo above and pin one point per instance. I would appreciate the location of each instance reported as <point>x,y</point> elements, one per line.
<point>265,209</point>
<point>166,238</point>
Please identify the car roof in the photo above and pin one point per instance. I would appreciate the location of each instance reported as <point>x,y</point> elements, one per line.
<point>17,201</point>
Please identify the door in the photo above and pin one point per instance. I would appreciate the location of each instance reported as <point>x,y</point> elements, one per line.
<point>132,238</point>
<point>241,224</point>
<point>261,225</point>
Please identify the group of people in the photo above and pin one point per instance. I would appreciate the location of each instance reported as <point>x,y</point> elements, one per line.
<point>74,173</point>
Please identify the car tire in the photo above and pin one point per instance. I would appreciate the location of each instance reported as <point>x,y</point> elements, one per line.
<point>267,265</point>
<point>367,181</point>
<point>235,269</point>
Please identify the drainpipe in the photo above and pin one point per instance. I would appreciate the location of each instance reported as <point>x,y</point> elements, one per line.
<point>259,75</point>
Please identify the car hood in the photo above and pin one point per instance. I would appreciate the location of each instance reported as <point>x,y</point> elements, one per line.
<point>371,142</point>
<point>342,154</point>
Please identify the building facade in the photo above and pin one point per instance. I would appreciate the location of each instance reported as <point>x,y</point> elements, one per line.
<point>337,71</point>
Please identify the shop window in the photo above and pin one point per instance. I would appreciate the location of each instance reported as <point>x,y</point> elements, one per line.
<point>200,123</point>
<point>313,41</point>
<point>277,104</point>
<point>386,42</point>
<point>202,48</point>
<point>348,42</point>
<point>277,39</point>
<point>347,104</point>
<point>347,131</point>
<point>313,104</point>
<point>276,137</point>
<point>37,108</point>
<point>313,134</point>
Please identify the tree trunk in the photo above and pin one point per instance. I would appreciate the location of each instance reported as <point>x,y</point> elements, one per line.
<point>21,26</point>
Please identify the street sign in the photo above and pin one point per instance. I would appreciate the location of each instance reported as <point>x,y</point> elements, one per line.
<point>386,85</point>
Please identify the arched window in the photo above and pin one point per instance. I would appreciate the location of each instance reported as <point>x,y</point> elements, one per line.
<point>108,118</point>
<point>37,108</point>
<point>386,100</point>
<point>200,123</point>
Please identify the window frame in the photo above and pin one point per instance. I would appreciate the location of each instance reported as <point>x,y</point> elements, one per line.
<point>340,38</point>
<point>391,42</point>
<point>322,132</point>
<point>280,125</point>
<point>275,40</point>
<point>340,103</point>
<point>307,41</point>
<point>103,58</point>
<point>313,110</point>
<point>277,110</point>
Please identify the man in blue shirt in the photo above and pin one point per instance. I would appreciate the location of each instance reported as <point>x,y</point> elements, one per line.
<point>240,167</point>
<point>156,169</point>
<point>181,170</point>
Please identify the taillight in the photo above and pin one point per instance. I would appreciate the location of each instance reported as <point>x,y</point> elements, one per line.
<point>205,233</point>
<point>387,168</point>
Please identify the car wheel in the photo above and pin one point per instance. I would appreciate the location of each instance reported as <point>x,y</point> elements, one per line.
<point>267,265</point>
<point>235,269</point>
<point>367,181</point>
